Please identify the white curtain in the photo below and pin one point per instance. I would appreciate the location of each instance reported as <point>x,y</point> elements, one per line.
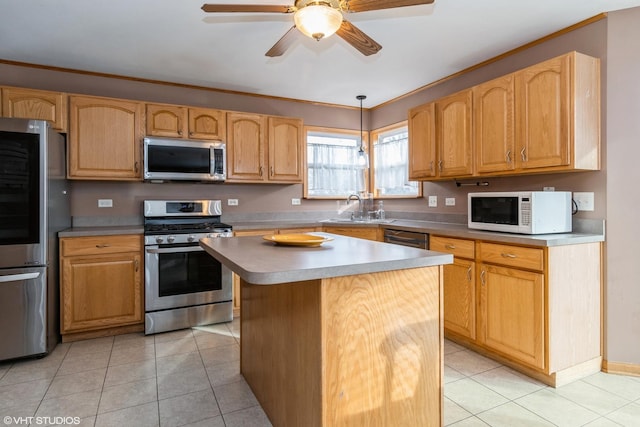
<point>333,171</point>
<point>391,154</point>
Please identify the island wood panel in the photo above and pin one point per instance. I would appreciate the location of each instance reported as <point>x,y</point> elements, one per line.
<point>281,350</point>
<point>352,350</point>
<point>382,351</point>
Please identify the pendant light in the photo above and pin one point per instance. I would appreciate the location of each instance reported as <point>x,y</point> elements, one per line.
<point>363,158</point>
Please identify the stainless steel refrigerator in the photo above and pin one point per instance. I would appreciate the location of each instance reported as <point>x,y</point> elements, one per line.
<point>34,206</point>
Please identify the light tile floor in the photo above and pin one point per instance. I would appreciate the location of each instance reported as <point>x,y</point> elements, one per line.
<point>191,378</point>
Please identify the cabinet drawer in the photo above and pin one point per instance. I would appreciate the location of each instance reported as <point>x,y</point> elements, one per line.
<point>513,256</point>
<point>461,248</point>
<point>97,245</point>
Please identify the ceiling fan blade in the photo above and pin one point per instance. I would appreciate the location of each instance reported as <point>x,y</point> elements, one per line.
<point>365,5</point>
<point>356,38</point>
<point>283,44</point>
<point>264,8</point>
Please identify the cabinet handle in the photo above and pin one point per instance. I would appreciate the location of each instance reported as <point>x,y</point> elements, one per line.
<point>180,132</point>
<point>431,166</point>
<point>508,156</point>
<point>449,246</point>
<point>469,274</point>
<point>523,154</point>
<point>260,170</point>
<point>103,245</point>
<point>135,167</point>
<point>483,275</point>
<point>136,265</point>
<point>504,255</point>
<point>440,165</point>
<point>271,170</point>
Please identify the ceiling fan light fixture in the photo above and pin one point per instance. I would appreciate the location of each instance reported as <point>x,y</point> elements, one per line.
<point>318,20</point>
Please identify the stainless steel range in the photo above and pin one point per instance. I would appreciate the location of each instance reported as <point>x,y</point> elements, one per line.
<point>184,286</point>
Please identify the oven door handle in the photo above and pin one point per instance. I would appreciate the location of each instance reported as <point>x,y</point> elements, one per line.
<point>174,250</point>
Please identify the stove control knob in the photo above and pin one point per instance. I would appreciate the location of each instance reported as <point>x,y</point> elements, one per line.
<point>171,239</point>
<point>191,238</point>
<point>159,239</point>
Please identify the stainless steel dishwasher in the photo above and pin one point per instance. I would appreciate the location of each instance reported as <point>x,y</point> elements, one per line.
<point>414,239</point>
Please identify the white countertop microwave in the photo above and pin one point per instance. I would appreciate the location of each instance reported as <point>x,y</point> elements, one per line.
<point>523,212</point>
<point>167,159</point>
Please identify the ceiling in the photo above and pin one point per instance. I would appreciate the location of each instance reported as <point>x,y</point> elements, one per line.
<point>175,41</point>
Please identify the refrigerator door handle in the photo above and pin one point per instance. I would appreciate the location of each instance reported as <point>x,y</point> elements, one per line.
<point>19,277</point>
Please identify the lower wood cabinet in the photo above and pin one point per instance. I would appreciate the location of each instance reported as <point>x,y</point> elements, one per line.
<point>369,233</point>
<point>101,285</point>
<point>459,289</point>
<point>536,309</point>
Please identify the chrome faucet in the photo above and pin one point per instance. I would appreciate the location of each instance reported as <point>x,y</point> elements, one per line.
<point>356,197</point>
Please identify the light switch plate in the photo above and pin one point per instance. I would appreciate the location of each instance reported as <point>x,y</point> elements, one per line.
<point>105,203</point>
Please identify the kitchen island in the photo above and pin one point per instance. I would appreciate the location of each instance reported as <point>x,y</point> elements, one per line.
<point>346,333</point>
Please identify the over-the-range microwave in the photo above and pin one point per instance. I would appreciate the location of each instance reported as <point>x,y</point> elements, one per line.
<point>523,212</point>
<point>167,159</point>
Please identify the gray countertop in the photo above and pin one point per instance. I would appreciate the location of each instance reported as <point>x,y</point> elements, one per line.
<point>430,227</point>
<point>262,262</point>
<point>101,231</point>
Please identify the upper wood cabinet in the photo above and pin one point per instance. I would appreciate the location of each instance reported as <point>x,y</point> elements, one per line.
<point>544,118</point>
<point>440,140</point>
<point>264,149</point>
<point>175,121</point>
<point>245,147</point>
<point>105,137</point>
<point>36,104</point>
<point>422,137</point>
<point>453,135</point>
<point>285,149</point>
<point>494,127</point>
<point>558,114</point>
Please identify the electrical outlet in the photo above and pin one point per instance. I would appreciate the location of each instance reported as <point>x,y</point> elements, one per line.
<point>295,202</point>
<point>232,202</point>
<point>105,203</point>
<point>450,201</point>
<point>584,200</point>
<point>433,201</point>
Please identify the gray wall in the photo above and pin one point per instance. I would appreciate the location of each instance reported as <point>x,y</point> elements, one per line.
<point>622,324</point>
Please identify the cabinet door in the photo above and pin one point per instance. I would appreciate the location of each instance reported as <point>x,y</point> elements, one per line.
<point>512,313</point>
<point>285,149</point>
<point>494,127</point>
<point>543,114</point>
<point>460,298</point>
<point>369,233</point>
<point>36,104</point>
<point>245,147</point>
<point>207,124</point>
<point>166,120</point>
<point>422,142</point>
<point>105,138</point>
<point>453,133</point>
<point>101,291</point>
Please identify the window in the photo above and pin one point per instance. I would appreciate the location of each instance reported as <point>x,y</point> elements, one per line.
<point>391,163</point>
<point>332,170</point>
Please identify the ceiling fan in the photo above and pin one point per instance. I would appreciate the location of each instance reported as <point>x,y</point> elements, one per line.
<point>319,19</point>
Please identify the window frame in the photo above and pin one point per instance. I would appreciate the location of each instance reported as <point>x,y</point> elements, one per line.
<point>337,131</point>
<point>375,134</point>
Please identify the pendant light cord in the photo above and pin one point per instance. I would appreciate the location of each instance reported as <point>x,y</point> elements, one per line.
<point>361,98</point>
